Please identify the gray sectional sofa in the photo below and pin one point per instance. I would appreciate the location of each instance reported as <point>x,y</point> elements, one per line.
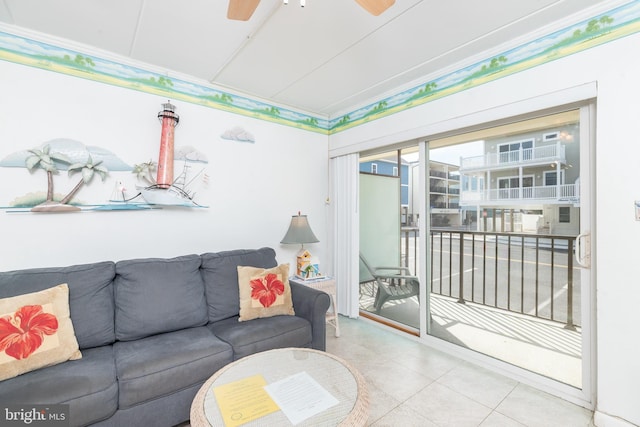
<point>151,331</point>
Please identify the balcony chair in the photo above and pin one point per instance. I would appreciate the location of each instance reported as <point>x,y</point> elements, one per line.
<point>393,283</point>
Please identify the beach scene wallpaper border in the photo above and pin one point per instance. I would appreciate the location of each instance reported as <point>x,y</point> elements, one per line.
<point>606,27</point>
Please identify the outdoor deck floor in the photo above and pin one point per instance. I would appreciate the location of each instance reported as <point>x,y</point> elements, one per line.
<point>540,346</point>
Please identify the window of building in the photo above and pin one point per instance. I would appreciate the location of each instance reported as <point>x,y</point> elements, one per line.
<point>514,182</point>
<point>550,178</point>
<point>395,171</point>
<point>551,136</point>
<point>471,183</point>
<point>374,168</point>
<point>516,151</point>
<point>509,188</point>
<point>564,214</point>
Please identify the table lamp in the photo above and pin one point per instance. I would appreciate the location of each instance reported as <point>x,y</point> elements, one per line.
<point>300,232</point>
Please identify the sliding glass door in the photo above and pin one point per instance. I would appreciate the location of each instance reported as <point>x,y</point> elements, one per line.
<point>495,225</point>
<point>503,277</point>
<point>388,237</point>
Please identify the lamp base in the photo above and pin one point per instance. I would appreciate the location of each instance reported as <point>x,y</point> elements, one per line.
<point>306,268</point>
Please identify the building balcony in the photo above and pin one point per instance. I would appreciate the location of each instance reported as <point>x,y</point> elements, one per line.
<point>498,294</point>
<point>527,157</point>
<point>548,194</point>
<point>451,176</point>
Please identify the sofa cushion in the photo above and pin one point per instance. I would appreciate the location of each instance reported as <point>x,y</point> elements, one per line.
<point>36,331</point>
<point>155,295</point>
<point>90,296</point>
<point>87,385</point>
<point>220,273</point>
<point>159,365</point>
<point>262,334</point>
<point>264,292</point>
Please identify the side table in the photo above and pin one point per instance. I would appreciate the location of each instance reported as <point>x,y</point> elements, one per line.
<point>328,285</point>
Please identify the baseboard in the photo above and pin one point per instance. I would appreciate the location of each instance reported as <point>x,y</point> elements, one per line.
<point>600,419</point>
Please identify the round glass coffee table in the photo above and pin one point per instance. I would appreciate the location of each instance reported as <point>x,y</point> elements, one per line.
<point>331,373</point>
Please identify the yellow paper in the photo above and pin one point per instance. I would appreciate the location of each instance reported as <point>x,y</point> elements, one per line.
<point>244,400</point>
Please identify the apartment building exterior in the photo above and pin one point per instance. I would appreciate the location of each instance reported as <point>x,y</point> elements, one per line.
<point>444,190</point>
<point>527,182</point>
<point>444,194</point>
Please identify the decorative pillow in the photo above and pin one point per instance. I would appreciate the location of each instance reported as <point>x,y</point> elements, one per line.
<point>36,331</point>
<point>264,292</point>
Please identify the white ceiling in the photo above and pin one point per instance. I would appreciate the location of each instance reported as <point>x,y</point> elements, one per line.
<point>325,58</point>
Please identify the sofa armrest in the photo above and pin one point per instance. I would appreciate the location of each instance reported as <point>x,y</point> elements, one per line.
<point>312,304</point>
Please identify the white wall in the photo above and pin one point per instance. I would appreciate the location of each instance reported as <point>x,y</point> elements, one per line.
<point>253,188</point>
<point>615,68</point>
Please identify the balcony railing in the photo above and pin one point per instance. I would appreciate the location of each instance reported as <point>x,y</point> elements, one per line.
<point>524,273</point>
<point>453,176</point>
<point>529,156</point>
<point>567,193</point>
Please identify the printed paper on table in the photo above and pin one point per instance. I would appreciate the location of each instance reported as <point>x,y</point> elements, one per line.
<point>300,397</point>
<point>244,400</point>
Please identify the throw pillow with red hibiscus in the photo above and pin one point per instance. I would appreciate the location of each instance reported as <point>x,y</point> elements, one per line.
<point>266,289</point>
<point>22,333</point>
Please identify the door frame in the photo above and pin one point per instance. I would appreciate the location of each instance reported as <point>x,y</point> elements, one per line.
<point>586,396</point>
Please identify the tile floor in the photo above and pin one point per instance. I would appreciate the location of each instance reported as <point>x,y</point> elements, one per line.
<point>411,384</point>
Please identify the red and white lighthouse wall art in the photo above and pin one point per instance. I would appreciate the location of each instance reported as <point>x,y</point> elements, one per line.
<point>169,120</point>
<point>168,188</point>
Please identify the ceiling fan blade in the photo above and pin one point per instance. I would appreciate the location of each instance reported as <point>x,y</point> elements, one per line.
<point>241,10</point>
<point>376,7</point>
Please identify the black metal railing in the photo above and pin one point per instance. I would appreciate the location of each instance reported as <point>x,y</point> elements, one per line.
<point>529,274</point>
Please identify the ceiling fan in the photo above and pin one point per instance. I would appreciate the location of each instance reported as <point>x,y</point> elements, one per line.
<point>241,10</point>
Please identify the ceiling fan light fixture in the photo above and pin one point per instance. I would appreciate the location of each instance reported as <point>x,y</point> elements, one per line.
<point>303,3</point>
<point>241,10</point>
<point>375,7</point>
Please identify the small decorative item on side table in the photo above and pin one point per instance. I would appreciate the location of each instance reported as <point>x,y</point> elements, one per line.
<point>328,285</point>
<point>300,232</point>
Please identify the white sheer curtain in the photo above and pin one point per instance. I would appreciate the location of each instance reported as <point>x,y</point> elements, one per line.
<point>345,231</point>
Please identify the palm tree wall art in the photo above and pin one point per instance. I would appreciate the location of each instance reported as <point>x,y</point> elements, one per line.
<point>45,159</point>
<point>58,155</point>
